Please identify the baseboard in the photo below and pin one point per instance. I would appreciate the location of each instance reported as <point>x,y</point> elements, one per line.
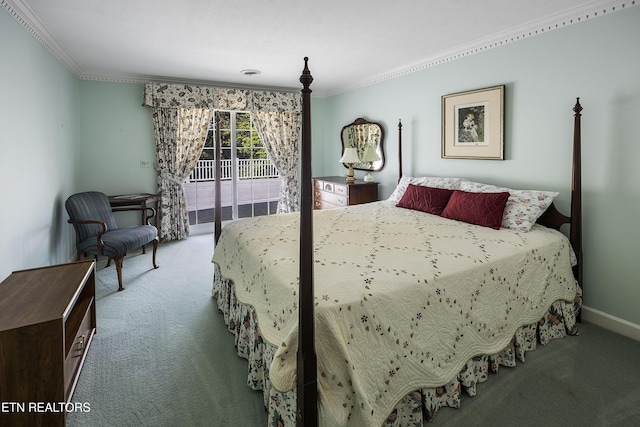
<point>611,323</point>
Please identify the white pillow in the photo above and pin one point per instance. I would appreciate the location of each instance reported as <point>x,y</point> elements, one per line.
<point>425,181</point>
<point>523,208</point>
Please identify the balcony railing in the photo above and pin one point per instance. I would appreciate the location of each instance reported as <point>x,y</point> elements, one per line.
<point>255,191</point>
<point>245,169</point>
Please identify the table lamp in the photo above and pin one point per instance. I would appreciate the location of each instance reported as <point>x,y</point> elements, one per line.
<point>350,156</point>
<point>370,156</point>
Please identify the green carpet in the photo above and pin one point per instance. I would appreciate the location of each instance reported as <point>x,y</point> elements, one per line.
<point>162,357</point>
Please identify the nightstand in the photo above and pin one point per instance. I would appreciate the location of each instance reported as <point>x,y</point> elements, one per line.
<point>334,191</point>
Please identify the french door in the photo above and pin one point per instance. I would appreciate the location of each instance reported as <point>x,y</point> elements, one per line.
<point>250,183</point>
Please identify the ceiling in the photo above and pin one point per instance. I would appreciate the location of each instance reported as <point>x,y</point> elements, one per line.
<point>350,44</point>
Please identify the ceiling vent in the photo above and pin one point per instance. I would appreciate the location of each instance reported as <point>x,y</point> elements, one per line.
<point>250,72</point>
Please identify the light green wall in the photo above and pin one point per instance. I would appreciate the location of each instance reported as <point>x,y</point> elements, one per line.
<point>597,60</point>
<point>39,122</point>
<point>116,134</point>
<point>321,141</point>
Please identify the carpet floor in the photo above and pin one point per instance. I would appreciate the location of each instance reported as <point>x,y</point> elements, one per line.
<point>162,356</point>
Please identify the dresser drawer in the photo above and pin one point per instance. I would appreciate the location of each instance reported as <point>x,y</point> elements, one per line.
<point>342,190</point>
<point>331,187</point>
<point>332,198</point>
<point>323,204</point>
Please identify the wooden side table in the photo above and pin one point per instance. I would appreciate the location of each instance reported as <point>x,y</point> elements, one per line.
<point>142,200</point>
<point>47,322</point>
<point>333,191</point>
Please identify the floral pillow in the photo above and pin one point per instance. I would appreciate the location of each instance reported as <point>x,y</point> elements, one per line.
<point>523,208</point>
<point>425,181</point>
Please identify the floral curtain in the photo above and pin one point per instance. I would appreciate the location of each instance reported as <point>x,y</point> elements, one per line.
<point>278,118</point>
<point>164,95</point>
<point>180,134</point>
<point>275,109</point>
<point>280,133</point>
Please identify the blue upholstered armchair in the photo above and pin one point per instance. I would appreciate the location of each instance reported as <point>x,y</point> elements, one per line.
<point>97,233</point>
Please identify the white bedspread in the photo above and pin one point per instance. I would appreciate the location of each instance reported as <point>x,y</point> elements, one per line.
<point>403,298</point>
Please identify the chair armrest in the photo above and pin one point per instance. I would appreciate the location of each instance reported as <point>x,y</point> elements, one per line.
<point>93,221</point>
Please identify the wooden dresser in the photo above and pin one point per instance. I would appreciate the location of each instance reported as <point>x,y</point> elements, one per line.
<point>47,322</point>
<point>334,191</point>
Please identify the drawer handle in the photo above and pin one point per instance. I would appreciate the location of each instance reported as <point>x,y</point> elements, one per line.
<point>81,343</point>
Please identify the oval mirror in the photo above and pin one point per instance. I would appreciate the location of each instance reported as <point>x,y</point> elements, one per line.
<point>367,137</point>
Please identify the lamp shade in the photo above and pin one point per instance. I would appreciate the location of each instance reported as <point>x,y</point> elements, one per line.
<point>350,155</point>
<point>370,155</point>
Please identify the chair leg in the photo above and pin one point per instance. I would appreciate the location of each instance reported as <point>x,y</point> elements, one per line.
<point>155,248</point>
<point>118,261</point>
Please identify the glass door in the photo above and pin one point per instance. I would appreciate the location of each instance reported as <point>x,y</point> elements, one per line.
<point>250,183</point>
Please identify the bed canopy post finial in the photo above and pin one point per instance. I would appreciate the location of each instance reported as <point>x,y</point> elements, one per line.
<point>399,150</point>
<point>575,234</point>
<point>306,78</point>
<point>306,371</point>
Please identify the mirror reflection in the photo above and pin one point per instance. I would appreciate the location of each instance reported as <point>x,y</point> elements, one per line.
<point>367,137</point>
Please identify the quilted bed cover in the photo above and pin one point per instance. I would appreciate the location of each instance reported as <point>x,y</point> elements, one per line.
<point>403,298</point>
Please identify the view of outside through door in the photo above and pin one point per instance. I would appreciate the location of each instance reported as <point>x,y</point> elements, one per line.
<point>249,181</point>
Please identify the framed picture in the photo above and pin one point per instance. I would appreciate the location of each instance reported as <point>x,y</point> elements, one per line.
<point>473,124</point>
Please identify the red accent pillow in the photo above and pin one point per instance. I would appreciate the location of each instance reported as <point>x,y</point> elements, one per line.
<point>484,209</point>
<point>426,199</point>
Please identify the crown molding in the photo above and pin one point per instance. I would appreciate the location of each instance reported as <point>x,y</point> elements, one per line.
<point>583,13</point>
<point>23,14</point>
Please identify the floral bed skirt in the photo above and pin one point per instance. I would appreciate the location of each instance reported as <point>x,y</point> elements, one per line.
<point>415,408</point>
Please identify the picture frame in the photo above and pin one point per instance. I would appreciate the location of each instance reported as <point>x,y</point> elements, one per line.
<point>473,124</point>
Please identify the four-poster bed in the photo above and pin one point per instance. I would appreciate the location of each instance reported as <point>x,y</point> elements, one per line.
<point>406,308</point>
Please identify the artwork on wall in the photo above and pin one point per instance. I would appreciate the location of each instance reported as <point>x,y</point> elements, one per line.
<point>473,124</point>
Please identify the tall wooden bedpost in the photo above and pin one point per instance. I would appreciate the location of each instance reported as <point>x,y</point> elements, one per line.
<point>575,234</point>
<point>554,219</point>
<point>399,150</point>
<point>307,374</point>
<point>217,217</point>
